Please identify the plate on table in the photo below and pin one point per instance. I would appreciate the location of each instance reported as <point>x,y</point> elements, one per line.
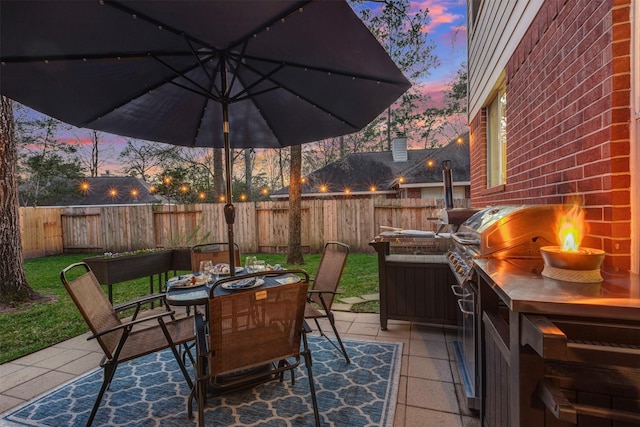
<point>288,279</point>
<point>187,281</point>
<point>223,269</point>
<point>246,283</point>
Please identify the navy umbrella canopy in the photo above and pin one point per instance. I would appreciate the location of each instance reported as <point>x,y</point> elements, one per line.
<point>226,74</point>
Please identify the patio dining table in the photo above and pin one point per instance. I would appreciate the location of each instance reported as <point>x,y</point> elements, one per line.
<point>199,295</point>
<point>193,296</point>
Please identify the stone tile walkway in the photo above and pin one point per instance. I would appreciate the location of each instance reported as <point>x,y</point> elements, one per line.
<point>430,392</point>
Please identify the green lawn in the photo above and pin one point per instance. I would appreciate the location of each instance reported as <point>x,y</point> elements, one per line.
<point>44,324</point>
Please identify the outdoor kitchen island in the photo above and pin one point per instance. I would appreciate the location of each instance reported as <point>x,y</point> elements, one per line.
<point>556,353</point>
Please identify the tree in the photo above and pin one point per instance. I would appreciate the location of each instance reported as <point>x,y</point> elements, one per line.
<point>455,106</point>
<point>99,155</point>
<point>248,172</point>
<point>140,158</point>
<point>48,163</point>
<point>218,173</point>
<point>93,169</point>
<point>432,118</point>
<point>13,281</point>
<point>49,176</point>
<point>294,251</point>
<point>402,32</point>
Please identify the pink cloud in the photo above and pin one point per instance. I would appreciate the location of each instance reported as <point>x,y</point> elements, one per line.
<point>441,12</point>
<point>435,90</point>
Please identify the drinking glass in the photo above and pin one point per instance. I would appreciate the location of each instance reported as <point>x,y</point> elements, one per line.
<point>206,267</point>
<point>248,263</point>
<point>259,265</point>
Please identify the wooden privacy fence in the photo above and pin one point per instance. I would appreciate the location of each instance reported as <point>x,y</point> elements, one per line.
<point>259,227</point>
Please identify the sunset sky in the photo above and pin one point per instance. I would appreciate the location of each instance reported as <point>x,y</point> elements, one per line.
<point>447,30</point>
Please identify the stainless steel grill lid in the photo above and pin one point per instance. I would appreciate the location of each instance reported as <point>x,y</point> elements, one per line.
<point>509,231</point>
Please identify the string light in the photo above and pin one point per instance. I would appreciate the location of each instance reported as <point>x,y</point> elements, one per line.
<point>460,140</point>
<point>134,193</point>
<point>202,195</point>
<point>243,197</point>
<point>84,186</point>
<point>265,191</point>
<point>323,188</point>
<point>430,163</point>
<point>113,192</point>
<point>401,179</point>
<point>373,188</point>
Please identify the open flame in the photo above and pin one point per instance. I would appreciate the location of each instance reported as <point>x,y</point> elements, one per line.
<point>570,228</point>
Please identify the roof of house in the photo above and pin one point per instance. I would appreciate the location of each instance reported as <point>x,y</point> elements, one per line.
<point>457,153</point>
<point>360,171</point>
<point>109,190</point>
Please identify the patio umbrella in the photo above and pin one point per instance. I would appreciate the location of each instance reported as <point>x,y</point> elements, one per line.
<point>231,74</point>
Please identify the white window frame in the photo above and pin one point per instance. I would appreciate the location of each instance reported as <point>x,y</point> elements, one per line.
<point>497,139</point>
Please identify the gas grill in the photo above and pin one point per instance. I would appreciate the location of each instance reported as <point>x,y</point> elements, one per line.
<point>501,232</point>
<point>493,232</point>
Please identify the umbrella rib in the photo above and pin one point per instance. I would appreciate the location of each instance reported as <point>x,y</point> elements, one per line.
<point>265,26</point>
<point>203,91</point>
<point>161,25</point>
<point>328,71</point>
<point>87,57</point>
<point>245,92</point>
<point>202,113</point>
<point>279,86</point>
<point>235,69</point>
<point>203,94</point>
<point>197,57</point>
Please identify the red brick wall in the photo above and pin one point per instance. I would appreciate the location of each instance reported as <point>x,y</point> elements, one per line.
<point>413,193</point>
<point>568,110</point>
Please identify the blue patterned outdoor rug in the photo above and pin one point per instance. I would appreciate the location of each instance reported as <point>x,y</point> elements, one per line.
<point>151,391</point>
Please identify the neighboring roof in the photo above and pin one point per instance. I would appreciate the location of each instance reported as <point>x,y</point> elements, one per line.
<point>126,190</point>
<point>360,171</point>
<point>457,153</point>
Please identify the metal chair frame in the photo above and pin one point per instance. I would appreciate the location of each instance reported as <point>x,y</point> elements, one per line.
<point>243,333</point>
<point>122,341</point>
<point>212,252</point>
<point>324,289</point>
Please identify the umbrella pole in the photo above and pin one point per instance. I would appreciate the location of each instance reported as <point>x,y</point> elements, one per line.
<point>229,209</point>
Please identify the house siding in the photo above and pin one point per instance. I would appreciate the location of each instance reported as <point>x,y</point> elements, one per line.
<point>568,86</point>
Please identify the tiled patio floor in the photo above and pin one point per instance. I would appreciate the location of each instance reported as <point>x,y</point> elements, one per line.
<point>429,395</point>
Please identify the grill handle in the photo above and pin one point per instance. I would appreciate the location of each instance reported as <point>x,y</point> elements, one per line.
<point>459,291</point>
<point>464,241</point>
<point>462,309</point>
<point>564,410</point>
<point>610,343</point>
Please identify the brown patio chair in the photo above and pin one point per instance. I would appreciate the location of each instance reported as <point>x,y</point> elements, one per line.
<point>214,252</point>
<point>249,331</point>
<point>124,340</point>
<point>321,295</point>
